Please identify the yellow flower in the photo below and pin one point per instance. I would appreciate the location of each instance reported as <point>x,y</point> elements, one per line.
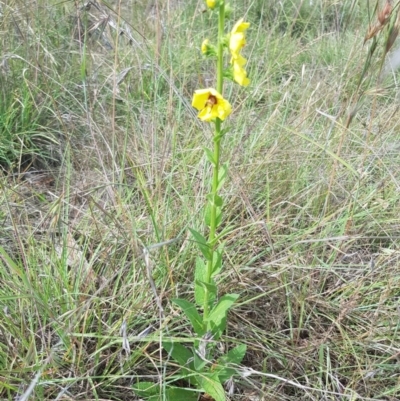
<point>236,43</point>
<point>237,38</point>
<point>239,59</point>
<point>240,74</point>
<point>211,3</point>
<point>205,46</point>
<point>211,104</point>
<point>240,26</point>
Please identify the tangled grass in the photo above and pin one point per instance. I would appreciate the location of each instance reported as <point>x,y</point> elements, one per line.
<point>98,161</point>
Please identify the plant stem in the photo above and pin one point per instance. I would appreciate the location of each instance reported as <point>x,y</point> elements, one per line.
<point>217,142</point>
<point>220,54</point>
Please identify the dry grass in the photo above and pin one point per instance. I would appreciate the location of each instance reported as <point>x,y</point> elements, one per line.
<point>115,163</point>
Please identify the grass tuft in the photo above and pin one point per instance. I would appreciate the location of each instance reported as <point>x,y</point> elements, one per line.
<point>98,161</point>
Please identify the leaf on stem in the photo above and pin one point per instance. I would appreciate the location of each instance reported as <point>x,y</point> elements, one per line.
<point>217,261</point>
<point>212,386</point>
<point>184,357</point>
<point>234,356</point>
<point>202,244</point>
<point>199,362</point>
<point>146,389</point>
<point>210,156</point>
<point>210,287</point>
<point>218,137</point>
<point>200,276</point>
<point>178,352</point>
<point>181,394</point>
<point>223,233</point>
<point>217,317</point>
<point>215,199</point>
<point>222,174</point>
<point>189,309</point>
<point>176,394</point>
<point>207,215</point>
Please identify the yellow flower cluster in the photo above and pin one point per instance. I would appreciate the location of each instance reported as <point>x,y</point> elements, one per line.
<point>237,40</point>
<point>209,102</point>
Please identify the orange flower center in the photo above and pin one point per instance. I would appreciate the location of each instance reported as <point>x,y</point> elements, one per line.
<point>211,101</point>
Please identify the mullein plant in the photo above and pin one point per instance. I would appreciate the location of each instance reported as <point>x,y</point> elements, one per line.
<point>203,368</point>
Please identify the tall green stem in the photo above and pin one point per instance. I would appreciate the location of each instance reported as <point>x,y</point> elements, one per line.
<point>217,142</point>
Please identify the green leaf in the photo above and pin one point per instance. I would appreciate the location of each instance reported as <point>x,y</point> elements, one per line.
<point>218,217</point>
<point>235,355</point>
<point>224,233</point>
<point>218,201</point>
<point>212,386</point>
<point>215,199</point>
<point>176,394</point>
<point>199,363</point>
<point>207,215</point>
<point>217,261</point>
<point>225,373</point>
<point>179,353</point>
<point>210,156</point>
<point>185,359</point>
<point>200,276</point>
<point>181,394</point>
<point>146,389</point>
<point>201,243</point>
<point>217,138</point>
<point>217,317</point>
<point>210,287</point>
<point>189,309</point>
<point>222,174</point>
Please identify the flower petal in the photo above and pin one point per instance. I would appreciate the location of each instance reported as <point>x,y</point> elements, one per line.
<point>240,26</point>
<point>239,59</point>
<point>223,109</point>
<point>240,74</point>
<point>200,98</point>
<point>236,42</point>
<point>206,114</point>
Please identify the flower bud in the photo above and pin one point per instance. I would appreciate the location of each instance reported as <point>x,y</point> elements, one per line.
<point>211,3</point>
<point>205,46</point>
<point>208,49</point>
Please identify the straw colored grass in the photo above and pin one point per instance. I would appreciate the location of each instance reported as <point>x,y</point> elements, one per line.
<point>104,157</point>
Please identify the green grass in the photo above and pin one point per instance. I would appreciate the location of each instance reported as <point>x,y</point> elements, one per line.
<point>93,170</point>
